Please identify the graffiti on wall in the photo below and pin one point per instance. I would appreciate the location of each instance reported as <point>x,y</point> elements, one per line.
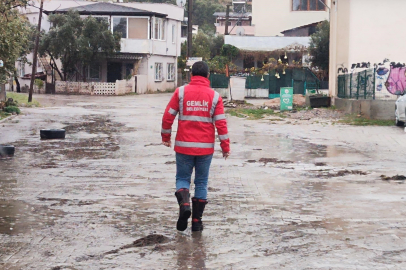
<point>381,76</point>
<point>396,82</point>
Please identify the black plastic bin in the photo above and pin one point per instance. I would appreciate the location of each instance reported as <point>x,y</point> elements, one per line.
<point>318,101</point>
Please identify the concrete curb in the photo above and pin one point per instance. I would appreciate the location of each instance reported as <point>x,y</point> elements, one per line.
<point>8,118</point>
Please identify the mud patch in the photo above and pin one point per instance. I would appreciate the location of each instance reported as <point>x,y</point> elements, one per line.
<point>152,144</point>
<point>150,240</point>
<point>170,162</point>
<point>340,173</point>
<point>320,164</point>
<point>273,160</point>
<point>394,178</point>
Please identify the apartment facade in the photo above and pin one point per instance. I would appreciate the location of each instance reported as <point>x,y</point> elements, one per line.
<point>238,23</point>
<point>272,17</point>
<point>150,43</point>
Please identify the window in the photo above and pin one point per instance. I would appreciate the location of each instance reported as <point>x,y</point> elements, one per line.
<point>158,72</point>
<point>120,26</point>
<point>239,23</point>
<point>171,72</point>
<point>94,71</point>
<point>308,5</point>
<point>129,68</point>
<point>173,34</point>
<point>138,28</point>
<point>159,29</point>
<point>21,67</point>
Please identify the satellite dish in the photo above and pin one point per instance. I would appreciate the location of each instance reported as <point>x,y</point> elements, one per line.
<point>240,31</point>
<point>181,3</point>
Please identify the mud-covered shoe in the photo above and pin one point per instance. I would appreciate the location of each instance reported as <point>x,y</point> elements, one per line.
<point>197,213</point>
<point>183,197</point>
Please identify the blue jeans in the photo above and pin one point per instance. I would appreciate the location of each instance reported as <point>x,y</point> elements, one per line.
<point>184,169</point>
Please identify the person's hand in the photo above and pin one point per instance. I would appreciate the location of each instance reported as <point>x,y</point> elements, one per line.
<point>167,144</point>
<point>226,155</point>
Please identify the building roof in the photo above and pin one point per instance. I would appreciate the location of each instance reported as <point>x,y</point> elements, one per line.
<point>300,27</point>
<point>232,14</point>
<point>103,8</point>
<point>268,44</point>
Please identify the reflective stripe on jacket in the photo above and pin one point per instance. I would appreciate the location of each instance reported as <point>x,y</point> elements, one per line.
<point>200,110</point>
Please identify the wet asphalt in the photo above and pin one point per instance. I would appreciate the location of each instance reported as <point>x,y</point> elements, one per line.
<point>291,196</point>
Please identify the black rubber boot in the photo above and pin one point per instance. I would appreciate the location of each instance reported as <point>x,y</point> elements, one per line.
<point>183,197</point>
<point>198,209</point>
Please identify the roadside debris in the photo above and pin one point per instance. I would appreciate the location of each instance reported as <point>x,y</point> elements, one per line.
<point>320,164</point>
<point>340,173</point>
<point>396,177</point>
<point>149,240</point>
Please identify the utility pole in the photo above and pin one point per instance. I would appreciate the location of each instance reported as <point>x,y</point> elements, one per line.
<point>190,29</point>
<point>34,60</point>
<point>227,19</point>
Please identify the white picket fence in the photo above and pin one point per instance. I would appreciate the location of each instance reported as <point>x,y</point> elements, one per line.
<point>120,87</point>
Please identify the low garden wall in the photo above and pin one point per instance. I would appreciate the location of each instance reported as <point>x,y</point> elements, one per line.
<point>120,87</point>
<point>372,109</point>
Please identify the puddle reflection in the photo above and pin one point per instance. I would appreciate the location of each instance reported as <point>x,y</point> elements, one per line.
<point>191,252</point>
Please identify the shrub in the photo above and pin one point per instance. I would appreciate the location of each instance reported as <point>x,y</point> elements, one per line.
<point>39,83</point>
<point>11,109</point>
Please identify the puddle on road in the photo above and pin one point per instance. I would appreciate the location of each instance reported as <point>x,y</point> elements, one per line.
<point>295,150</point>
<point>94,124</point>
<point>18,217</point>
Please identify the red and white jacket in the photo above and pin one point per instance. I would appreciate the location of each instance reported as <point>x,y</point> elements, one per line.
<point>200,109</point>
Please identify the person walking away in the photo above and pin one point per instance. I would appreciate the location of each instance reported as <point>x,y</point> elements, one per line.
<point>200,110</point>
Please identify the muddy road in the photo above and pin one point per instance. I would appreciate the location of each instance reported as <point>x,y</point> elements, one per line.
<point>302,196</point>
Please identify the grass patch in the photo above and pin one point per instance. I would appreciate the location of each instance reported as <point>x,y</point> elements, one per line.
<point>361,121</point>
<point>161,92</point>
<point>22,99</point>
<point>4,115</point>
<point>253,114</point>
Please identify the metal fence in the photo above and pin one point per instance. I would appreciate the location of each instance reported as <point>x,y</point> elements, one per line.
<point>361,85</point>
<point>219,81</point>
<point>301,79</point>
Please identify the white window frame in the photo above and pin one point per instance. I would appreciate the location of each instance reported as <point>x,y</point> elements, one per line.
<point>161,77</point>
<point>21,66</point>
<point>112,24</point>
<point>162,22</point>
<point>173,33</point>
<point>170,78</point>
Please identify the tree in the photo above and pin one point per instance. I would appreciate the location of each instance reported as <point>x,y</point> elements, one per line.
<point>201,45</point>
<point>15,36</point>
<point>320,46</point>
<point>217,43</point>
<point>203,11</point>
<point>78,42</point>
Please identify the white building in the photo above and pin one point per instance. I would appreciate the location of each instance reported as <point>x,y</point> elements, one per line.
<point>150,44</point>
<point>365,31</point>
<point>272,17</point>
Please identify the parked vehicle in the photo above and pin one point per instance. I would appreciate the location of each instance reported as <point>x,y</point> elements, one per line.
<point>400,111</point>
